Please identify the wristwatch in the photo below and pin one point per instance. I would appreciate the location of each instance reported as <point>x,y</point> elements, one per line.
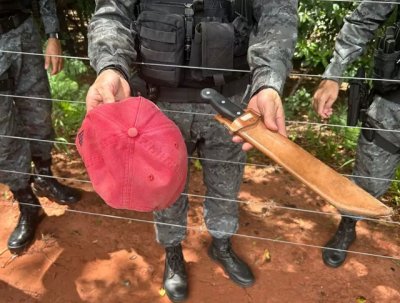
<point>53,35</point>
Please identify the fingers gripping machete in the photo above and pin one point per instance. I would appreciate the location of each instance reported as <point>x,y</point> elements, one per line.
<point>342,193</point>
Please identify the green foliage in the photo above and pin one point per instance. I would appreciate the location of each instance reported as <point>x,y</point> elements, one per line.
<point>197,164</point>
<point>394,190</point>
<point>67,116</point>
<point>349,134</point>
<point>299,104</point>
<point>319,23</point>
<point>334,145</point>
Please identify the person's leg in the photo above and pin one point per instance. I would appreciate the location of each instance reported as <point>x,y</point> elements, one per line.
<point>171,222</point>
<point>15,157</point>
<point>36,117</point>
<point>375,167</point>
<point>223,180</point>
<point>170,232</point>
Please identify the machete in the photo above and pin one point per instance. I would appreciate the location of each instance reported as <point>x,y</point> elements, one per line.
<point>338,190</point>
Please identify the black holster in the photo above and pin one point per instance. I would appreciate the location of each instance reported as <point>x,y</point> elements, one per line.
<point>359,99</point>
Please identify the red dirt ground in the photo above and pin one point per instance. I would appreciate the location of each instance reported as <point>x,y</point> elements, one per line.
<point>79,257</point>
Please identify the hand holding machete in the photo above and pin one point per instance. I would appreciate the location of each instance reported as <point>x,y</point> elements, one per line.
<point>335,188</point>
<point>268,104</point>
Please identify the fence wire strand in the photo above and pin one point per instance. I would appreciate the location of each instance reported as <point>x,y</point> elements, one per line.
<point>318,124</point>
<point>271,205</point>
<point>302,75</point>
<point>195,158</point>
<point>202,228</point>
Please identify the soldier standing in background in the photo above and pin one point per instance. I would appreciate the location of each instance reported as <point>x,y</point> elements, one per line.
<point>25,75</point>
<point>210,34</point>
<point>378,151</point>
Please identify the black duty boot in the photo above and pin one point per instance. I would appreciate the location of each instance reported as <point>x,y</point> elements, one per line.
<point>344,237</point>
<point>50,187</point>
<point>175,278</point>
<point>221,251</point>
<point>29,219</point>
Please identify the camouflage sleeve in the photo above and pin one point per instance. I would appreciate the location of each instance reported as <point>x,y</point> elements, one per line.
<point>272,43</point>
<point>48,12</point>
<point>358,29</point>
<point>110,38</point>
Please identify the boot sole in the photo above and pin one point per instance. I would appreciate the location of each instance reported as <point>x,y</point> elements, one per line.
<point>19,250</point>
<point>174,300</point>
<point>335,264</point>
<point>240,283</point>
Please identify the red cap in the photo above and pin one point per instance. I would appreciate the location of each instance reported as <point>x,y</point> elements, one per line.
<point>135,156</point>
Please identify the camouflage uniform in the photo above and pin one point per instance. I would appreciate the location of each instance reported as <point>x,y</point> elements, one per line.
<point>271,48</point>
<point>371,160</point>
<point>25,117</point>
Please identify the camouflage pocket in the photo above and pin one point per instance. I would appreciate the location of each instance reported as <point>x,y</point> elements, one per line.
<point>161,40</point>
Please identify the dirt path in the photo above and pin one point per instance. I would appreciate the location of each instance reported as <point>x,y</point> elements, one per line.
<point>83,258</point>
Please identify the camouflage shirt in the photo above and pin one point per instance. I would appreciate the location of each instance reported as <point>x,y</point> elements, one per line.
<point>272,40</point>
<point>48,12</point>
<point>358,29</point>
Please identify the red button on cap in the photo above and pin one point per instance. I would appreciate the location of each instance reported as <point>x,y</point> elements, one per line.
<point>132,132</point>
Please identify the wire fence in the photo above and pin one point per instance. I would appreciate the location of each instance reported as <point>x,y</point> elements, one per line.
<point>304,75</point>
<point>270,205</point>
<point>317,124</point>
<point>202,229</point>
<point>192,158</point>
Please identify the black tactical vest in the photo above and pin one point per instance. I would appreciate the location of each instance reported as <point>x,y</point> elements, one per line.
<point>212,34</point>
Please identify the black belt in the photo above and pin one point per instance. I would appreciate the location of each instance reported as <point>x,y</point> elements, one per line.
<point>12,22</point>
<point>192,95</point>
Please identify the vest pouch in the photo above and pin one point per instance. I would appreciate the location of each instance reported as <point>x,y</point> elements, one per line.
<point>195,54</point>
<point>386,67</point>
<point>161,40</point>
<point>217,47</point>
<point>212,47</point>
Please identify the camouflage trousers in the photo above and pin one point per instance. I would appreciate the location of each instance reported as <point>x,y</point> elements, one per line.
<point>211,141</point>
<point>372,161</point>
<point>23,116</point>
